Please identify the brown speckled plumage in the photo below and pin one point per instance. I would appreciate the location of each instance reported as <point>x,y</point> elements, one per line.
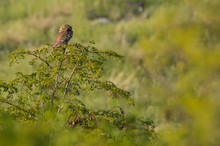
<point>64,35</point>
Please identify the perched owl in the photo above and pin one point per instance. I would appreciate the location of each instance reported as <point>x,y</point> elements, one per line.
<point>64,35</point>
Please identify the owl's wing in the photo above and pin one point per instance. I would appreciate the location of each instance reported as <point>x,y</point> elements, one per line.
<point>60,39</point>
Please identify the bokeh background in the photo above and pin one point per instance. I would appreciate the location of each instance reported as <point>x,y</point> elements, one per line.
<point>171,64</point>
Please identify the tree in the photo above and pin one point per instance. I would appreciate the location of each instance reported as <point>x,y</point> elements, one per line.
<point>52,91</point>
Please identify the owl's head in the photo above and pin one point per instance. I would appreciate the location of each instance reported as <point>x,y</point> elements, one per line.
<point>65,27</point>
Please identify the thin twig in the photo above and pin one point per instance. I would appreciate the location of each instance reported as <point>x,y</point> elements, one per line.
<point>26,111</point>
<point>56,83</point>
<point>30,53</point>
<point>68,81</point>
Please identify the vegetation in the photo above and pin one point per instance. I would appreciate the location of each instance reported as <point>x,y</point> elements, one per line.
<point>170,68</point>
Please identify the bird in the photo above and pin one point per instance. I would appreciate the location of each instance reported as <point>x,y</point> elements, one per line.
<point>64,36</point>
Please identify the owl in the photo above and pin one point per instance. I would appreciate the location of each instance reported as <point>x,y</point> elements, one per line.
<point>64,35</point>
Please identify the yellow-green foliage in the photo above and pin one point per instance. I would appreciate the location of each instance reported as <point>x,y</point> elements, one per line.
<point>172,62</point>
<point>181,54</point>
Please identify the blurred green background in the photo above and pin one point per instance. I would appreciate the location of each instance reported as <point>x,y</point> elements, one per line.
<point>171,64</point>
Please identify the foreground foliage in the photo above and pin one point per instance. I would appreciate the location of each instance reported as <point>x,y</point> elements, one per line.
<point>50,95</point>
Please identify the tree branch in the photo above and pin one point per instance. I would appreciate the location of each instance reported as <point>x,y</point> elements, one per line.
<point>56,83</point>
<point>35,55</point>
<point>68,81</point>
<point>26,111</point>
